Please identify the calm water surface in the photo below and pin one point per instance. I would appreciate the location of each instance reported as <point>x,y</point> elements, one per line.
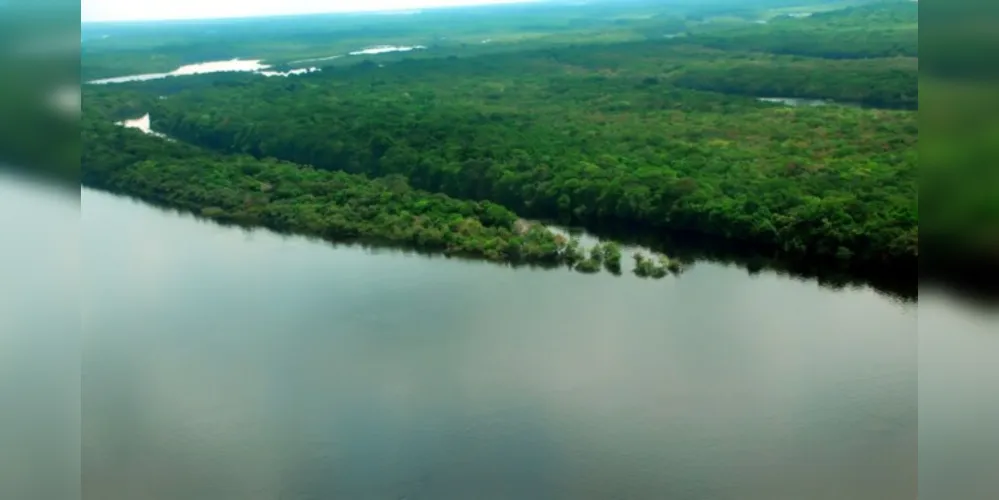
<point>39,341</point>
<point>220,363</point>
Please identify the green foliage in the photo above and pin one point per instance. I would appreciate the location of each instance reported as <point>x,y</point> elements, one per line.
<point>657,268</point>
<point>638,131</point>
<point>644,268</point>
<point>884,83</point>
<point>572,253</point>
<point>597,253</point>
<point>671,265</point>
<point>611,256</point>
<point>609,150</point>
<point>113,49</point>
<point>588,266</point>
<point>886,29</point>
<point>295,198</point>
<point>658,272</point>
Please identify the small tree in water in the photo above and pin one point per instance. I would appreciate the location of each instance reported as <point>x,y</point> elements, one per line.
<point>597,253</point>
<point>588,266</point>
<point>643,267</point>
<point>612,257</point>
<point>572,253</point>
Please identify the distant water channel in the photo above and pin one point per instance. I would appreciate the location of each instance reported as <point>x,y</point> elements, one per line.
<point>233,65</point>
<point>251,66</point>
<point>796,102</point>
<point>230,364</point>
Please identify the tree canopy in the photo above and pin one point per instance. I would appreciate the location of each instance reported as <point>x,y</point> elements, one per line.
<point>664,134</point>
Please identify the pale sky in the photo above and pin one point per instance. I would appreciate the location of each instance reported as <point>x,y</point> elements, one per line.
<point>133,10</point>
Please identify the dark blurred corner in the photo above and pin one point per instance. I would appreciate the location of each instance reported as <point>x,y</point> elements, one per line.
<point>39,222</point>
<point>40,89</point>
<point>959,145</point>
<point>959,245</point>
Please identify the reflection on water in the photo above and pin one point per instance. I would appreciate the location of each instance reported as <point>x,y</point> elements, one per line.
<point>223,363</point>
<point>899,284</point>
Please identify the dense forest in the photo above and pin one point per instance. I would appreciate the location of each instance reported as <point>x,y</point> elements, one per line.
<point>654,136</point>
<point>880,83</point>
<point>115,49</point>
<point>593,148</point>
<point>883,29</point>
<point>295,198</point>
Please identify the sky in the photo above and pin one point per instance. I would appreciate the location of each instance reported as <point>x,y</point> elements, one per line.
<point>136,10</point>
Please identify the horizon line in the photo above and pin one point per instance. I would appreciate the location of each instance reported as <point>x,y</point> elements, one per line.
<point>413,10</point>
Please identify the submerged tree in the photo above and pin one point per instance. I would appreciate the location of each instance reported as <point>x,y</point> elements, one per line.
<point>612,257</point>
<point>572,252</point>
<point>588,266</point>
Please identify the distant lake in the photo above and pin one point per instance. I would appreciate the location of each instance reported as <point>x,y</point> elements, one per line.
<point>225,363</point>
<point>795,101</point>
<point>142,123</point>
<point>233,65</point>
<point>252,66</point>
<point>384,49</point>
<point>803,102</point>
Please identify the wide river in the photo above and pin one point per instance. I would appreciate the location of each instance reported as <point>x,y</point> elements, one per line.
<point>220,363</point>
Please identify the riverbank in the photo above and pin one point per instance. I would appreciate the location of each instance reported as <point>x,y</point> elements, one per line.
<point>335,206</point>
<point>845,194</point>
<point>290,198</point>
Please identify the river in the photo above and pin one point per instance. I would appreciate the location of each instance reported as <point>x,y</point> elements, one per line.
<point>240,364</point>
<point>222,363</point>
